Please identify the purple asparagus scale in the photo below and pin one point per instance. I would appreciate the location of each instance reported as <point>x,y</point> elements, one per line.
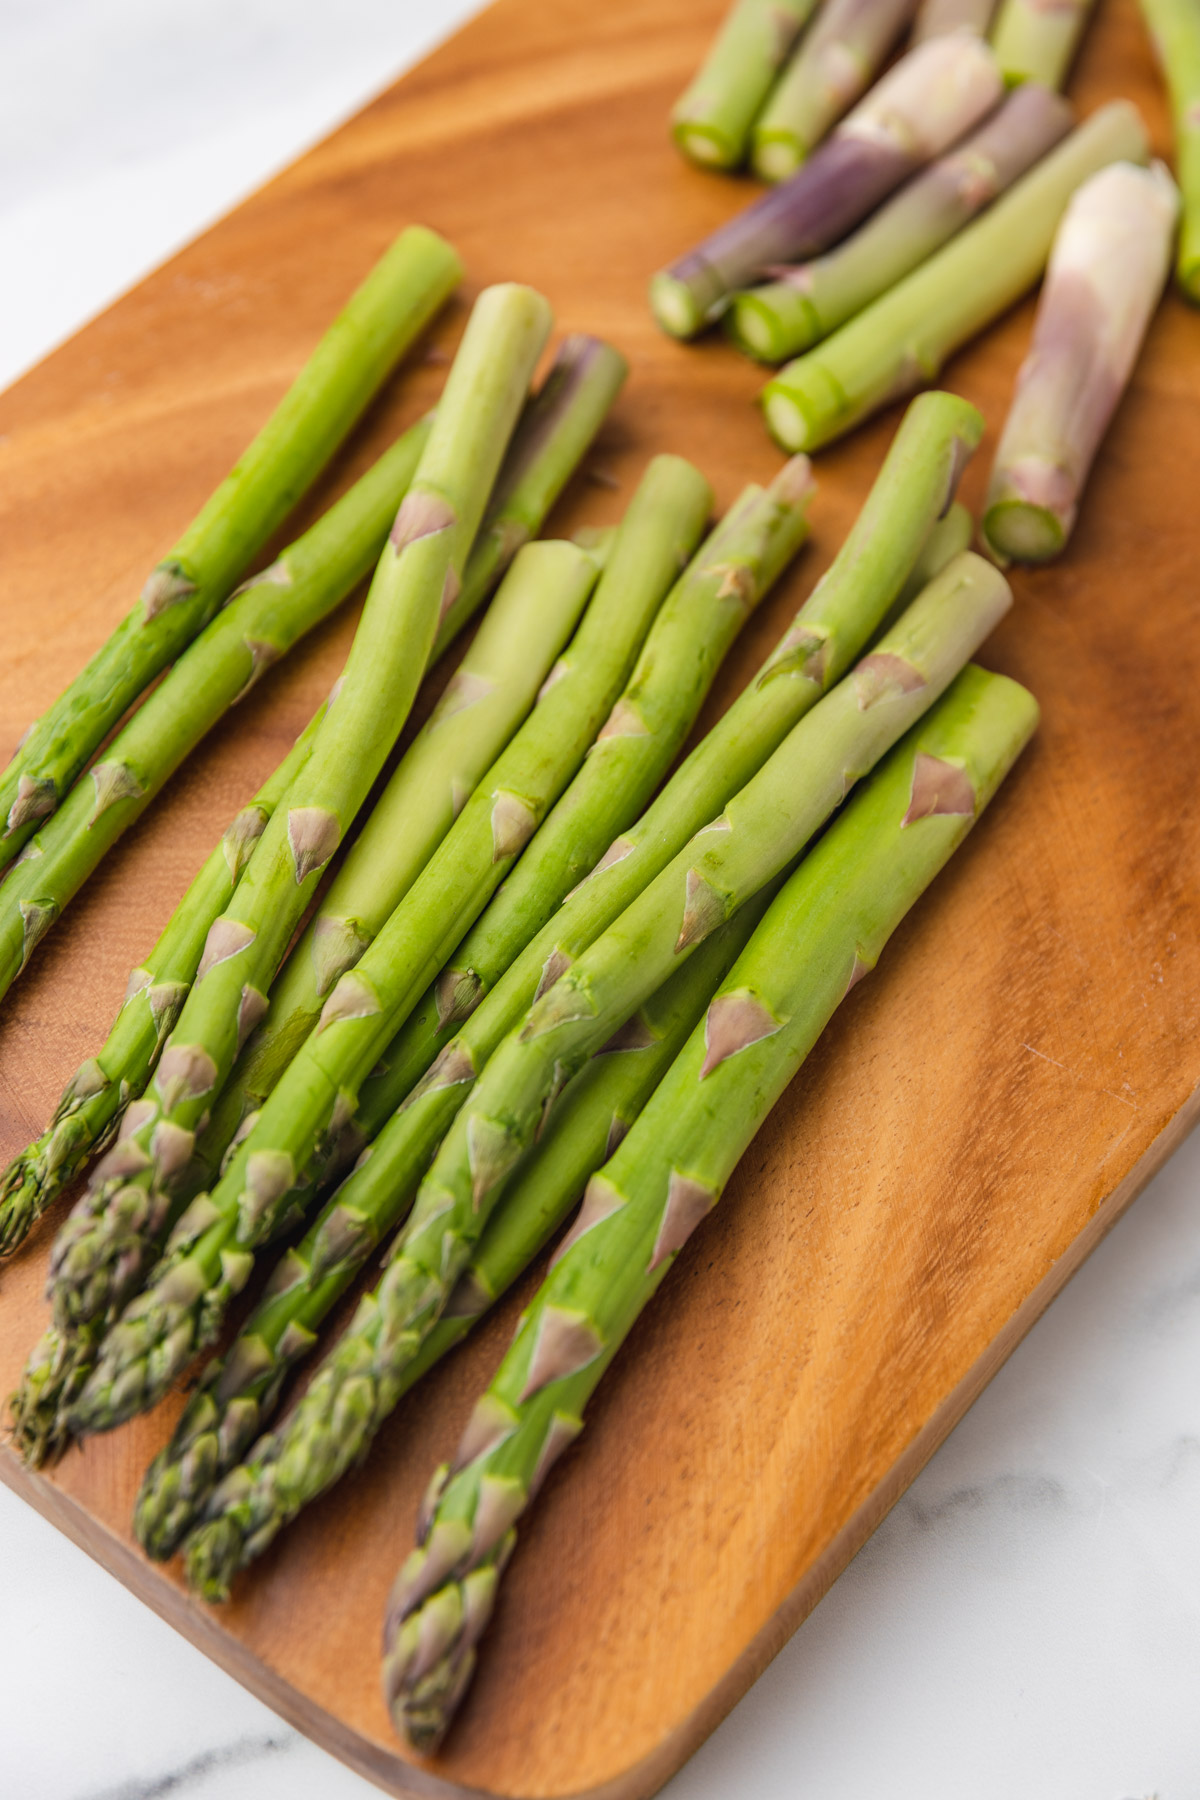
<point>1105,278</point>
<point>919,109</point>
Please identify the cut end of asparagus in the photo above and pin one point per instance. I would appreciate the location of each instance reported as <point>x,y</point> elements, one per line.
<point>674,306</point>
<point>1018,531</point>
<point>705,144</point>
<point>760,328</point>
<point>775,158</point>
<point>807,411</point>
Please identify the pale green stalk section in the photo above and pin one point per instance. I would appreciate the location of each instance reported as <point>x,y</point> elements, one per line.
<point>903,339</point>
<point>1174,27</point>
<point>826,929</point>
<point>118,1228</point>
<point>259,625</point>
<point>1036,41</point>
<point>211,1253</point>
<point>711,121</point>
<point>1107,271</point>
<point>937,17</point>
<point>394,304</point>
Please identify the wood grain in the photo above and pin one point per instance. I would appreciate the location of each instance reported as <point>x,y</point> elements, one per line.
<point>972,1122</point>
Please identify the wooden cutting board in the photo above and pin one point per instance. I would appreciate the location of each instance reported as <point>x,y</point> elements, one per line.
<point>977,1116</point>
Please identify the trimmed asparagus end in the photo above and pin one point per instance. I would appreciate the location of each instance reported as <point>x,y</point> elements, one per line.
<point>1018,531</point>
<point>803,407</point>
<point>674,306</point>
<point>706,145</point>
<point>773,322</point>
<point>776,158</point>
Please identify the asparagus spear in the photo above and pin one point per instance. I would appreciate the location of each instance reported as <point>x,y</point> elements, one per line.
<point>922,105</point>
<point>761,830</point>
<point>711,121</point>
<point>826,929</point>
<point>937,17</point>
<point>904,337</point>
<point>115,1230</point>
<point>101,1087</point>
<point>805,303</point>
<point>893,540</point>
<point>239,1392</point>
<point>211,1252</point>
<point>552,436</point>
<point>836,62</point>
<point>693,629</point>
<point>394,304</point>
<point>1036,41</point>
<point>1174,27</point>
<point>1106,275</point>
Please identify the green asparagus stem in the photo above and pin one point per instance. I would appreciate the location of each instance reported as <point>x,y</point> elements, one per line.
<point>694,627</point>
<point>761,830</point>
<point>1106,275</point>
<point>211,1252</point>
<point>117,1229</point>
<point>807,302</point>
<point>239,1392</point>
<point>260,624</point>
<point>826,929</point>
<point>1034,41</point>
<point>100,1089</point>
<point>905,337</point>
<point>394,304</point>
<point>937,17</point>
<point>711,121</point>
<point>1174,27</point>
<point>836,62</point>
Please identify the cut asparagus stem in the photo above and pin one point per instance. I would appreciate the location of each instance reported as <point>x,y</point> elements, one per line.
<point>116,1229</point>
<point>258,626</point>
<point>1036,41</point>
<point>826,929</point>
<point>1174,27</point>
<point>919,108</point>
<point>211,1252</point>
<point>1106,275</point>
<point>711,121</point>
<point>903,339</point>
<point>392,307</point>
<point>836,62</point>
<point>239,1392</point>
<point>695,626</point>
<point>97,1094</point>
<point>807,302</point>
<point>937,17</point>
<point>761,830</point>
<point>891,540</point>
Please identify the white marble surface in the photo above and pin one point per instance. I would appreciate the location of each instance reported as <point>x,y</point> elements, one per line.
<point>1027,1621</point>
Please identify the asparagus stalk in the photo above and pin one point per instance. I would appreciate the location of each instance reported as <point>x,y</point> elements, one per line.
<point>694,627</point>
<point>239,1392</point>
<point>100,1089</point>
<point>826,929</point>
<point>109,1240</point>
<point>711,121</point>
<point>761,830</point>
<point>211,1252</point>
<point>935,18</point>
<point>1036,40</point>
<point>394,304</point>
<point>805,303</point>
<point>893,540</point>
<point>920,107</point>
<point>836,62</point>
<point>467,733</point>
<point>903,338</point>
<point>1174,27</point>
<point>1106,275</point>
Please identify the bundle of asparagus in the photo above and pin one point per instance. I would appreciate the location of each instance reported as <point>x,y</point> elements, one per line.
<point>824,931</point>
<point>837,61</point>
<point>1034,41</point>
<point>1174,27</point>
<point>905,337</point>
<point>929,99</point>
<point>711,121</point>
<point>554,431</point>
<point>392,307</point>
<point>805,303</point>
<point>1105,277</point>
<point>695,625</point>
